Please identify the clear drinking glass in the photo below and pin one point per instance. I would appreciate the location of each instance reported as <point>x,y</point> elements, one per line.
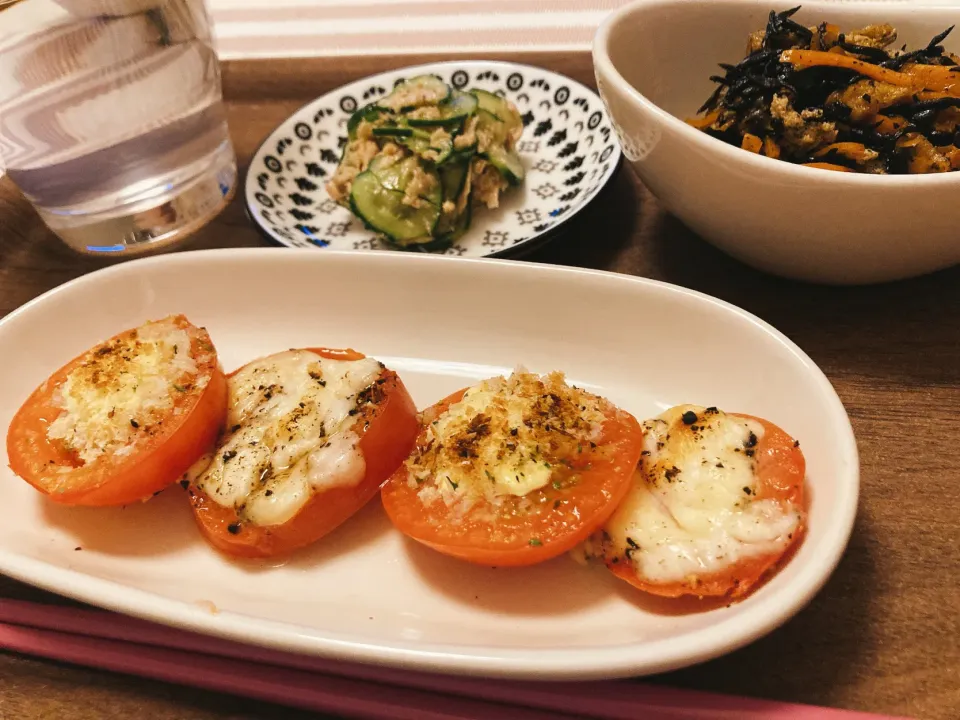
<point>111,119</point>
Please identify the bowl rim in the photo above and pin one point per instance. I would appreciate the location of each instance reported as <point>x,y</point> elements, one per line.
<point>607,72</point>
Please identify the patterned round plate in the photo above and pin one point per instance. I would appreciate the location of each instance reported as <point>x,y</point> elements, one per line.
<point>567,148</point>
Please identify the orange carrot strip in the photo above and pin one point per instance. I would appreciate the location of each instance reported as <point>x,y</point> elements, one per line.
<point>930,77</point>
<point>934,77</point>
<point>751,143</point>
<point>954,156</point>
<point>827,166</point>
<point>702,123</point>
<point>811,58</point>
<point>770,148</point>
<point>853,150</point>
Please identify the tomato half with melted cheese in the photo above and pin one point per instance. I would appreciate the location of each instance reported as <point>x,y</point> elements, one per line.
<point>123,420</point>
<point>311,436</point>
<point>717,502</point>
<point>514,471</point>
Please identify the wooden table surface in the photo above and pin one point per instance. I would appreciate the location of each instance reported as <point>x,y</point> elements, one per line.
<point>883,635</point>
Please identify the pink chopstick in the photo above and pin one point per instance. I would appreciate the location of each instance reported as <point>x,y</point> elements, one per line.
<point>285,686</point>
<point>107,635</point>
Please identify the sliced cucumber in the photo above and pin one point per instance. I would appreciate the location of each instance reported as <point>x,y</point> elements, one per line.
<point>499,108</point>
<point>453,176</point>
<point>493,104</point>
<point>507,162</point>
<point>377,198</point>
<point>392,131</point>
<point>460,225</point>
<point>397,176</point>
<point>422,143</point>
<point>431,245</point>
<point>486,120</point>
<point>462,155</point>
<point>453,179</point>
<point>504,160</point>
<point>416,92</point>
<point>368,112</point>
<point>454,111</point>
<point>418,140</point>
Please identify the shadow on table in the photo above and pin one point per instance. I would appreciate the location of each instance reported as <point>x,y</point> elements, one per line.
<point>602,233</point>
<point>815,657</point>
<point>891,331</point>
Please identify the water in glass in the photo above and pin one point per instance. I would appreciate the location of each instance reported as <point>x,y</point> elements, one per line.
<point>111,120</point>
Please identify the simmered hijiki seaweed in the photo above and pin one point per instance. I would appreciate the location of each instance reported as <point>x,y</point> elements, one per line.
<point>822,98</point>
<point>418,160</point>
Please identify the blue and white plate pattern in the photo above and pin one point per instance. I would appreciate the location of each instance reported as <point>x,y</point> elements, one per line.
<point>568,149</point>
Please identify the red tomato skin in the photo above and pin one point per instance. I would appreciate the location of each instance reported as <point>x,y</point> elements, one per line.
<point>384,443</point>
<point>171,452</point>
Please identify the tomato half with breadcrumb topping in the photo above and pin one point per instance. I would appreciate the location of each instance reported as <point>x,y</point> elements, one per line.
<point>311,435</point>
<point>514,471</point>
<point>123,420</point>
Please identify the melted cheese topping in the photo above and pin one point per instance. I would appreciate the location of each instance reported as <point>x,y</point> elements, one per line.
<point>692,510</point>
<point>288,434</point>
<point>503,439</point>
<point>122,390</point>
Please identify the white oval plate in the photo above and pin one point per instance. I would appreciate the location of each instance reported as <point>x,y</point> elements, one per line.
<point>364,593</point>
<point>567,148</point>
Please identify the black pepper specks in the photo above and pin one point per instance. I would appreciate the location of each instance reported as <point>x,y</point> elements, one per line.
<point>184,483</point>
<point>134,424</point>
<point>751,440</point>
<point>671,473</point>
<point>229,455</point>
<point>689,417</point>
<point>233,528</point>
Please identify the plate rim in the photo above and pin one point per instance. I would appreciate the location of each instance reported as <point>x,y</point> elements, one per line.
<point>578,663</point>
<point>530,244</point>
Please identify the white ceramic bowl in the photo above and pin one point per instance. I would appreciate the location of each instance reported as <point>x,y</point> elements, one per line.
<point>653,59</point>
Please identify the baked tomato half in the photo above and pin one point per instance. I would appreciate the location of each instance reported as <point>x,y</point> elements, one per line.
<point>311,435</point>
<point>716,503</point>
<point>514,471</point>
<point>123,420</point>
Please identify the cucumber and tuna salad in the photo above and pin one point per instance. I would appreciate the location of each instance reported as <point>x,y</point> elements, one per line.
<point>419,159</point>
